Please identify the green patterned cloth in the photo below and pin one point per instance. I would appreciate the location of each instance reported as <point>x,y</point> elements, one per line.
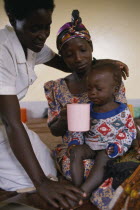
<point>137,112</point>
<point>129,156</point>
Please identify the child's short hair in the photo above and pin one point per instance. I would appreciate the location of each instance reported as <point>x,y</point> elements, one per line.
<point>112,68</point>
<point>20,9</point>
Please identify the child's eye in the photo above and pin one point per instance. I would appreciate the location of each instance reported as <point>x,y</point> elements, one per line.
<point>99,89</point>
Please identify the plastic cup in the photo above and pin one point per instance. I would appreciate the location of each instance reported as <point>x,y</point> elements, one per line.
<point>78,116</point>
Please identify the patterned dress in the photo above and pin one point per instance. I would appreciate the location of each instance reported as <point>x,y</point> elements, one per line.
<point>58,96</point>
<point>115,128</point>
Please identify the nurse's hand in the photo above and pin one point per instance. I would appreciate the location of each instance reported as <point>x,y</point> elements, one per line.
<point>58,194</point>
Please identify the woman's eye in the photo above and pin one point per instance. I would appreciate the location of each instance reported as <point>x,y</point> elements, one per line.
<point>48,27</point>
<point>88,89</point>
<point>83,50</point>
<point>34,29</point>
<point>68,55</point>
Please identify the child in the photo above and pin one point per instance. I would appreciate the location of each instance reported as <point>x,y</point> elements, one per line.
<point>112,128</point>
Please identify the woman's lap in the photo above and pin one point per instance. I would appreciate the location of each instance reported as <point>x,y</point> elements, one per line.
<point>102,196</point>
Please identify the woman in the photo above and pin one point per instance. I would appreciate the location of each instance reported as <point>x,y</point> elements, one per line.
<point>75,46</point>
<point>25,161</point>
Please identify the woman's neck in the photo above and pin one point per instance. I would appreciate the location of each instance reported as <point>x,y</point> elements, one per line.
<point>76,77</point>
<point>76,83</point>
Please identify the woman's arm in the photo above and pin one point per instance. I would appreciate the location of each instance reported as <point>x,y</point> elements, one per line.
<point>50,191</point>
<point>58,63</point>
<point>57,113</point>
<point>18,138</point>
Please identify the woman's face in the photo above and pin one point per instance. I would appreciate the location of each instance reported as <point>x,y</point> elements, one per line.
<point>77,54</point>
<point>33,31</point>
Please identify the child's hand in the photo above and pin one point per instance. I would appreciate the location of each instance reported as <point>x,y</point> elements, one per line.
<point>110,150</point>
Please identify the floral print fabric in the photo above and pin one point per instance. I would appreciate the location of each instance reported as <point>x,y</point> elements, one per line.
<point>58,96</point>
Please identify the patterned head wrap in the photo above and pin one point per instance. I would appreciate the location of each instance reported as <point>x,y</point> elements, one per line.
<point>71,30</point>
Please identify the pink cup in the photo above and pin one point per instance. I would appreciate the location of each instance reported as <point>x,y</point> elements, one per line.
<point>78,116</point>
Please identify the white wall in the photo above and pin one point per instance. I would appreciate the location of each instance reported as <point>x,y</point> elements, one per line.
<point>115,30</point>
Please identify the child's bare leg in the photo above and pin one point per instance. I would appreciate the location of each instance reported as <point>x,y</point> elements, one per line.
<point>77,155</point>
<point>95,177</point>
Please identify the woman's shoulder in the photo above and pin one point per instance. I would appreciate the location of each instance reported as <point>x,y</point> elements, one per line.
<point>53,84</point>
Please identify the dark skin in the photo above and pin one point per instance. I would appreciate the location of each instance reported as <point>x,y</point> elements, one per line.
<point>77,55</point>
<point>32,34</point>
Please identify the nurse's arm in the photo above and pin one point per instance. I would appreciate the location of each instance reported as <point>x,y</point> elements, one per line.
<point>53,192</point>
<point>58,63</point>
<point>18,138</point>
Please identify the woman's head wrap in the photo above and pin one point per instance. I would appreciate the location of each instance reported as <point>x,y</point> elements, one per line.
<point>73,29</point>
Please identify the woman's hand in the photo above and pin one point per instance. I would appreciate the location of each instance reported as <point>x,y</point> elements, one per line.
<point>124,69</point>
<point>59,195</point>
<point>123,66</point>
<point>58,125</point>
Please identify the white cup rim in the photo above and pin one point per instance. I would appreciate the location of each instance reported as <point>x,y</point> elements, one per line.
<point>75,104</point>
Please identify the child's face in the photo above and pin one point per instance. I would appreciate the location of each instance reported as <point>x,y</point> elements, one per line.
<point>101,87</point>
<point>77,54</point>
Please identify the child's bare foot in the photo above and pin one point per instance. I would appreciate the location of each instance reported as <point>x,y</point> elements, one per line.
<point>75,205</point>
